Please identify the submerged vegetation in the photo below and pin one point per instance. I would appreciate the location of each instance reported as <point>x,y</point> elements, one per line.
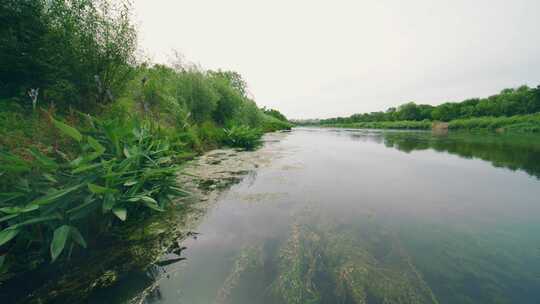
<point>328,265</point>
<point>321,262</point>
<point>92,138</point>
<point>510,110</point>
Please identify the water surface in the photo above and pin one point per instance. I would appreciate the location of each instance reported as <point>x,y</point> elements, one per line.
<point>360,216</point>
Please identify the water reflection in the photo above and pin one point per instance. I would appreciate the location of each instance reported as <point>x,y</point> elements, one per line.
<point>515,152</point>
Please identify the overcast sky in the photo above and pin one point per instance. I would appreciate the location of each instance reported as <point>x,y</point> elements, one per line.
<point>318,59</point>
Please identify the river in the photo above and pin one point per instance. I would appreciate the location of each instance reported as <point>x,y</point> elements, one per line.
<point>363,216</point>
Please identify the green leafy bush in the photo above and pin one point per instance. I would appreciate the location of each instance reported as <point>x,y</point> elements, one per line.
<point>243,137</point>
<point>80,53</point>
<point>272,124</point>
<point>275,113</point>
<point>52,200</point>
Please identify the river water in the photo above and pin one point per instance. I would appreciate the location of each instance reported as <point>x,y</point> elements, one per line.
<point>362,216</point>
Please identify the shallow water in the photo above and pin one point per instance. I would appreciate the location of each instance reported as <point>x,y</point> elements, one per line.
<point>359,216</point>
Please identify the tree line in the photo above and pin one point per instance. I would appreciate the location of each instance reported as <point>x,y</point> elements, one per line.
<point>509,102</point>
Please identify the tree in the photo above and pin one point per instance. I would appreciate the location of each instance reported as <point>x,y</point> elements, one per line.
<point>78,52</point>
<point>408,111</point>
<point>234,79</point>
<point>276,114</point>
<point>23,65</point>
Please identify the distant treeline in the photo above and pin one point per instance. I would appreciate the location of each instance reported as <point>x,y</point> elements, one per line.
<point>509,102</point>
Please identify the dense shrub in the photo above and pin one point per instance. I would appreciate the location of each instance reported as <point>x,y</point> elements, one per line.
<point>271,124</point>
<point>79,53</point>
<point>229,101</point>
<point>275,113</point>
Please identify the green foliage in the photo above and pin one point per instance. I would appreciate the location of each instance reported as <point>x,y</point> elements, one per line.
<point>118,170</point>
<point>72,182</point>
<point>275,113</point>
<point>272,124</point>
<point>385,125</point>
<point>78,52</point>
<point>243,137</point>
<point>210,135</point>
<point>197,93</point>
<point>229,102</point>
<point>199,102</point>
<point>517,123</point>
<point>509,102</point>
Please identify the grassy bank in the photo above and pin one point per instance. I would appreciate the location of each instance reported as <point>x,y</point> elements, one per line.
<point>518,123</point>
<point>70,178</point>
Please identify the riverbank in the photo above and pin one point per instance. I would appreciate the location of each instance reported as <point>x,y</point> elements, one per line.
<point>206,178</point>
<point>89,157</point>
<point>88,160</point>
<point>518,123</point>
<point>147,245</point>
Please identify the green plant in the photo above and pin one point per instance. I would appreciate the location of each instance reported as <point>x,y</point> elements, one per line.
<point>52,200</point>
<point>271,124</point>
<point>275,113</point>
<point>243,137</point>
